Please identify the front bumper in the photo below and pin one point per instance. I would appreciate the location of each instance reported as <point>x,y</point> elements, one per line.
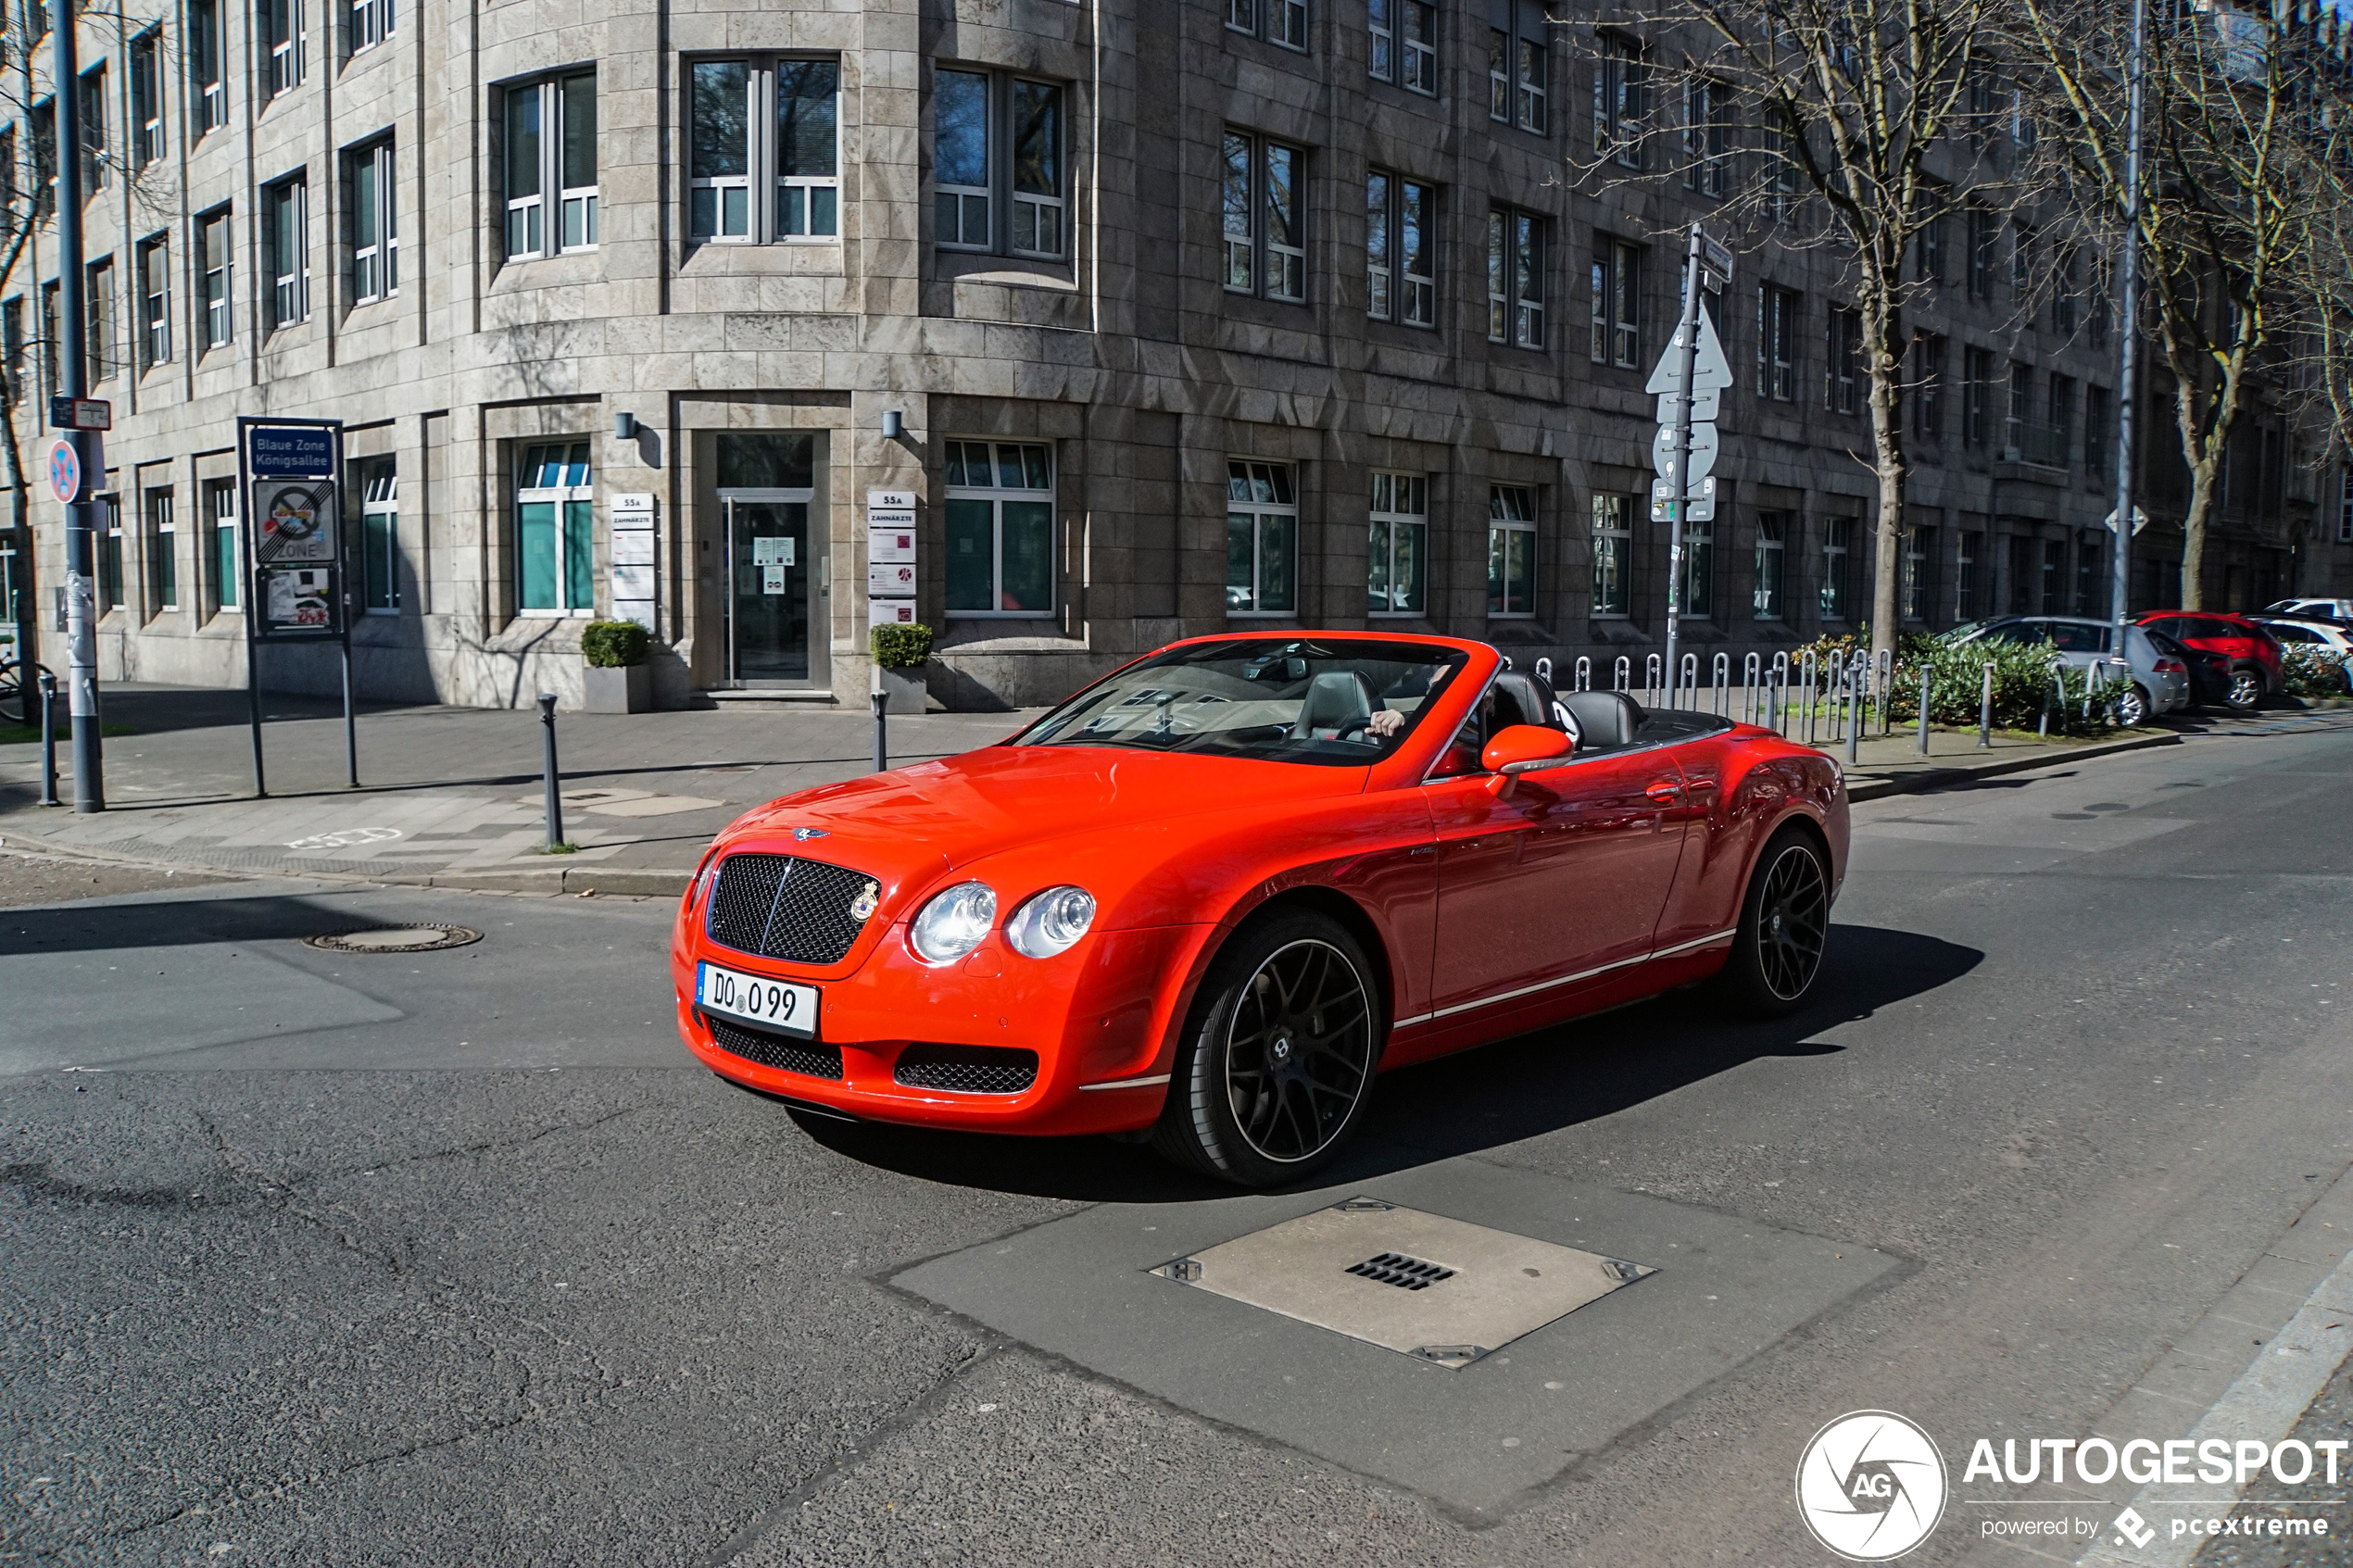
<point>1101,1019</point>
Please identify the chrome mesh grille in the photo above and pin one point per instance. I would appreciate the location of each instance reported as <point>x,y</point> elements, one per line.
<point>812,1058</point>
<point>784,907</point>
<point>966,1069</point>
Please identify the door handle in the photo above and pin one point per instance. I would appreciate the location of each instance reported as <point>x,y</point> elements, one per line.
<point>1664,792</point>
<point>1702,786</point>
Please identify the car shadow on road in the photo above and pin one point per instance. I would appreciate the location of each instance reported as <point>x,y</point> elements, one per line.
<point>1479,1099</point>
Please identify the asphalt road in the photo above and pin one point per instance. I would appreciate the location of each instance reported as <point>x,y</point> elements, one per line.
<point>455,1258</point>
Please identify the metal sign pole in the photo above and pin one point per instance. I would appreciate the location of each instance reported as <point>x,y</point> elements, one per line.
<point>2127,344</point>
<point>253,611</point>
<point>73,378</point>
<point>1687,330</point>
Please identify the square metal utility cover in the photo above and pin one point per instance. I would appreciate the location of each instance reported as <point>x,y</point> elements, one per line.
<point>1443,1290</point>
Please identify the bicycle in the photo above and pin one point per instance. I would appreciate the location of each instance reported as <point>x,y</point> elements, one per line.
<point>20,693</point>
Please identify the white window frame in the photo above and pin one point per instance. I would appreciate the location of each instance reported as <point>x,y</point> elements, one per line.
<point>1400,277</point>
<point>218,501</point>
<point>153,258</point>
<point>1014,220</point>
<point>163,542</point>
<point>1516,263</point>
<point>764,183</point>
<point>559,496</point>
<point>1699,571</point>
<point>1616,285</point>
<point>371,23</point>
<point>371,186</point>
<point>1969,541</point>
<point>1519,68</point>
<point>377,480</point>
<point>284,50</point>
<point>1842,357</point>
<point>207,63</point>
<point>1704,144</point>
<point>102,349</point>
<point>996,494</point>
<point>1280,22</point>
<point>1268,267</point>
<point>1264,498</point>
<point>1397,533</point>
<point>1614,523</point>
<point>528,234</point>
<point>1511,526</point>
<point>1838,542</point>
<point>1776,314</point>
<point>214,261</point>
<point>1420,17</point>
<point>1621,85</point>
<point>146,98</point>
<point>289,286</point>
<point>1772,566</point>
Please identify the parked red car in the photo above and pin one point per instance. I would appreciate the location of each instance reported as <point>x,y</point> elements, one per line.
<point>2254,671</point>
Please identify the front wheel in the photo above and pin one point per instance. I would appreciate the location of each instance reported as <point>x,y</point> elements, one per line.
<point>2134,706</point>
<point>2245,693</point>
<point>1277,1062</point>
<point>1785,923</point>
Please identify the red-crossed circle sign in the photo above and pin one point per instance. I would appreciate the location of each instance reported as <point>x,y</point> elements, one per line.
<point>64,472</point>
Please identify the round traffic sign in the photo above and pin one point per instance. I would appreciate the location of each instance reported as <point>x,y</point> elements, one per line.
<point>64,472</point>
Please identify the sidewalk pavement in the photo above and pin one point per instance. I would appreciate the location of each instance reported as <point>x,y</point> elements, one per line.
<point>452,796</point>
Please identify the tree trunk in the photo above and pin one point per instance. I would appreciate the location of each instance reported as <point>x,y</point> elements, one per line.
<point>1893,470</point>
<point>2205,457</point>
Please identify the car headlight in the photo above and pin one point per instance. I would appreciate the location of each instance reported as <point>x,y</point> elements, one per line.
<point>1049,923</point>
<point>953,922</point>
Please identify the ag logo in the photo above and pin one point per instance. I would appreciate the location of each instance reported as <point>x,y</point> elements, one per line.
<point>1870,1485</point>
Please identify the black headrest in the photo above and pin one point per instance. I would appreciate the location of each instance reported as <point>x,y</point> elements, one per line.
<point>1531,694</point>
<point>1602,719</point>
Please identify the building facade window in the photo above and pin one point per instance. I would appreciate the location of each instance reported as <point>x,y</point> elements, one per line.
<point>12,345</point>
<point>1977,390</point>
<point>155,303</point>
<point>1511,551</point>
<point>379,486</point>
<point>1616,293</point>
<point>1919,558</point>
<point>1001,528</point>
<point>2054,579</point>
<point>1403,44</point>
<point>375,228</point>
<point>1928,387</point>
<point>1699,570</point>
<point>1772,553</point>
<point>1519,65</point>
<point>1264,217</point>
<point>52,342</point>
<point>765,158</point>
<point>110,554</point>
<point>44,159</point>
<point>1401,250</point>
<point>104,351</point>
<point>1397,572</point>
<point>1262,539</point>
<point>551,151</point>
<point>213,262</point>
<point>286,226</point>
<point>146,98</point>
<point>1967,578</point>
<point>555,570</point>
<point>999,146</point>
<point>1838,538</point>
<point>94,131</point>
<point>1705,141</point>
<point>1984,231</point>
<point>208,82</point>
<point>2100,432</point>
<point>1842,357</point>
<point>1777,311</point>
<point>163,551</point>
<point>1282,22</point>
<point>1929,261</point>
<point>225,565</point>
<point>1621,99</point>
<point>371,24</point>
<point>2089,551</point>
<point>282,30</point>
<point>1515,277</point>
<point>1613,555</point>
<point>2345,505</point>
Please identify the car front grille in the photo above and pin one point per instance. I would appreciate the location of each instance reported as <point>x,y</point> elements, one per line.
<point>966,1069</point>
<point>783,907</point>
<point>810,1058</point>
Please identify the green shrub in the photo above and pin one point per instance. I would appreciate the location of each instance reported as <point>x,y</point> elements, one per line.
<point>2024,688</point>
<point>611,645</point>
<point>2312,670</point>
<point>899,646</point>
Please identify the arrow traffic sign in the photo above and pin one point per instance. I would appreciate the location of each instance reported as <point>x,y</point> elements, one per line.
<point>1703,452</point>
<point>1710,372</point>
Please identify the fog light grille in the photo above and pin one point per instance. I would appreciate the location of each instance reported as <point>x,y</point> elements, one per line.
<point>812,1058</point>
<point>966,1069</point>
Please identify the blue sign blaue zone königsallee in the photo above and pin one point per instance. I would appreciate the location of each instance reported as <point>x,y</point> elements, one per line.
<point>291,451</point>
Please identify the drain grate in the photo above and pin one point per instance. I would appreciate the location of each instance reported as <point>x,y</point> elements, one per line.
<point>1406,1273</point>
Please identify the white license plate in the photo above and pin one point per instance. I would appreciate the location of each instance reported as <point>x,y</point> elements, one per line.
<point>756,998</point>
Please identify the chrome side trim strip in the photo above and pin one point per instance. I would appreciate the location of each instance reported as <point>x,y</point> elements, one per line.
<point>1697,942</point>
<point>1128,1083</point>
<point>1680,948</point>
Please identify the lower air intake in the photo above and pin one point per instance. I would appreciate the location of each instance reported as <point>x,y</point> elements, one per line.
<point>810,1058</point>
<point>966,1069</point>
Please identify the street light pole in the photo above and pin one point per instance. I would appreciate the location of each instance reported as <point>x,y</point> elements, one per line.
<point>2128,343</point>
<point>73,379</point>
<point>1687,331</point>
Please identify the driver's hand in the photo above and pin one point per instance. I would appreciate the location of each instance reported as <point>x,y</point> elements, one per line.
<point>1386,722</point>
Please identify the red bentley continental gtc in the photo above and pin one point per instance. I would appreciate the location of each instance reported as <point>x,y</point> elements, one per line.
<point>1213,893</point>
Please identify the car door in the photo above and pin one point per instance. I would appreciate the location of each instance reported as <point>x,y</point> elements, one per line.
<point>1565,874</point>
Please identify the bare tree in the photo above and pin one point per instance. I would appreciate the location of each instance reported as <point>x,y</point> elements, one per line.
<point>1839,125</point>
<point>2227,203</point>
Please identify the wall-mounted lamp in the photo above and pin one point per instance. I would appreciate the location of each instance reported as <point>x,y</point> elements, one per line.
<point>624,427</point>
<point>894,424</point>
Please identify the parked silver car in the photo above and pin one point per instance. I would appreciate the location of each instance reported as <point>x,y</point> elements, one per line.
<point>2327,609</point>
<point>2161,677</point>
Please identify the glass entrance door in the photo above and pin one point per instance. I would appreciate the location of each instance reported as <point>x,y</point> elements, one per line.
<point>771,573</point>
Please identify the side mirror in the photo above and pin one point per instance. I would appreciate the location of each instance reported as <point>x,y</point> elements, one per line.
<point>1516,749</point>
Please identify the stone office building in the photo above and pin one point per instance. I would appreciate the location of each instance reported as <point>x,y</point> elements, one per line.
<point>1186,315</point>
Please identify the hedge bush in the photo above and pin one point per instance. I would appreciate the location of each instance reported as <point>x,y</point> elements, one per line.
<point>613,645</point>
<point>2024,688</point>
<point>2313,671</point>
<point>899,646</point>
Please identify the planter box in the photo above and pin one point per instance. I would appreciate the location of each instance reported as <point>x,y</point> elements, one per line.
<point>904,689</point>
<point>629,689</point>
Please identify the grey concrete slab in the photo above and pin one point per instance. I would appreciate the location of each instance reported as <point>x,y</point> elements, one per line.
<point>1476,1439</point>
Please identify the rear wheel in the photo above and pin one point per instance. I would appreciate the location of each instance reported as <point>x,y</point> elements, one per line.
<point>1277,1062</point>
<point>2244,692</point>
<point>1785,921</point>
<point>2132,708</point>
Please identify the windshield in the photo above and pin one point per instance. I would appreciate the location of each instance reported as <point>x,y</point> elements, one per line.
<point>1342,704</point>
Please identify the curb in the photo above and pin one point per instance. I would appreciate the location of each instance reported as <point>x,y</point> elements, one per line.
<point>1876,786</point>
<point>618,880</point>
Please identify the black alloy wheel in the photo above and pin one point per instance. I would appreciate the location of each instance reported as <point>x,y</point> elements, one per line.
<point>1784,929</point>
<point>2244,692</point>
<point>1278,1062</point>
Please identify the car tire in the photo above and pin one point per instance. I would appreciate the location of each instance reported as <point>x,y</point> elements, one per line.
<point>2134,706</point>
<point>1277,1062</point>
<point>2244,694</point>
<point>1784,929</point>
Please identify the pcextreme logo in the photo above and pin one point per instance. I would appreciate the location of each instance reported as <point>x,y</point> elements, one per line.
<point>1870,1485</point>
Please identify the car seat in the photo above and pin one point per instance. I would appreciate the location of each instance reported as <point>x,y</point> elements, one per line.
<point>1338,706</point>
<point>1602,719</point>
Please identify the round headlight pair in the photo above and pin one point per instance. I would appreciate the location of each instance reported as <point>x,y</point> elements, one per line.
<point>953,922</point>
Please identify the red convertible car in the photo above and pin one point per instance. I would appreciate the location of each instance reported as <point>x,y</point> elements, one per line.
<point>1213,894</point>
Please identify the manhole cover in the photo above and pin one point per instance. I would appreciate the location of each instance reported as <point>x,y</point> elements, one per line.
<point>395,939</point>
<point>1443,1290</point>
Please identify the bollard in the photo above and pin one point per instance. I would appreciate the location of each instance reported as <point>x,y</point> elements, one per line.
<point>1854,715</point>
<point>548,771</point>
<point>882,732</point>
<point>1985,711</point>
<point>48,740</point>
<point>1923,710</point>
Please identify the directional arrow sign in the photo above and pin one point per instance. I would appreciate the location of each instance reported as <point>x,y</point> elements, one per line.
<point>1711,372</point>
<point>1703,452</point>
